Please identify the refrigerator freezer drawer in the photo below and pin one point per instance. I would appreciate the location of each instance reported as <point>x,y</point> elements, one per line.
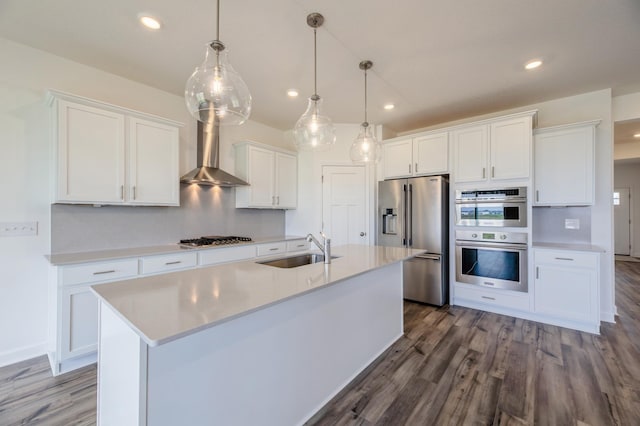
<point>425,280</point>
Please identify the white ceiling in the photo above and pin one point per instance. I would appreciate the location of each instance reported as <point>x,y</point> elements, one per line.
<point>436,60</point>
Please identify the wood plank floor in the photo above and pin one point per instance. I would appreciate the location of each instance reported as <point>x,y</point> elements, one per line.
<point>459,366</point>
<point>454,366</point>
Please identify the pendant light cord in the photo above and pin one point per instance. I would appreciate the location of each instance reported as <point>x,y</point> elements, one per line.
<point>315,64</point>
<point>218,20</point>
<point>365,95</point>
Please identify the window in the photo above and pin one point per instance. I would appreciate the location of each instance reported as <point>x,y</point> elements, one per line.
<point>616,198</point>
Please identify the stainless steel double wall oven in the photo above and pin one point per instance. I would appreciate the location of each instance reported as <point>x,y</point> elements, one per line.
<point>495,259</point>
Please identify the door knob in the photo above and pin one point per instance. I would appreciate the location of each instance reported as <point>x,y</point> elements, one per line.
<point>362,234</point>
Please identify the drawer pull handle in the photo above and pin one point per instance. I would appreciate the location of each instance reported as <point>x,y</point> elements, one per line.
<point>564,258</point>
<point>175,262</point>
<point>104,272</point>
<point>273,249</point>
<point>300,245</point>
<point>487,297</point>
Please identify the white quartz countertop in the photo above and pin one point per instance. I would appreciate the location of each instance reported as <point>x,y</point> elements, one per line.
<point>100,255</point>
<point>165,307</point>
<point>574,247</point>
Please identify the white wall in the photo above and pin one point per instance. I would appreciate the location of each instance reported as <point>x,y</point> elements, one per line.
<point>308,216</point>
<point>25,75</point>
<point>626,107</point>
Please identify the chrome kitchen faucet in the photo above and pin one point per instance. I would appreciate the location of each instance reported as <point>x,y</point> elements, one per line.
<point>325,247</point>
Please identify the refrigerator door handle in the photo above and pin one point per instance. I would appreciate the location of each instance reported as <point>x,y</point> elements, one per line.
<point>429,256</point>
<point>409,226</point>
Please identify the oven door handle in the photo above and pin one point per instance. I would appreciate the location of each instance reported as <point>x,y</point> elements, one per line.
<point>506,246</point>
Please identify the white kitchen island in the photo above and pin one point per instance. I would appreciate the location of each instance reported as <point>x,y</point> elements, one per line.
<point>244,343</point>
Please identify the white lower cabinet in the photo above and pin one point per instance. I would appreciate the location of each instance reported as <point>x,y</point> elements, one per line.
<point>297,245</point>
<point>471,295</point>
<point>168,262</point>
<point>73,334</point>
<point>79,322</point>
<point>566,288</point>
<point>226,254</point>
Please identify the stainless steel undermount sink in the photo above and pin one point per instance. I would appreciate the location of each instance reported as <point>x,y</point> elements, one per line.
<point>295,261</point>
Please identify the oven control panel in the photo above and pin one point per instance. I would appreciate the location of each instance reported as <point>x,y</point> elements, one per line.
<point>491,236</point>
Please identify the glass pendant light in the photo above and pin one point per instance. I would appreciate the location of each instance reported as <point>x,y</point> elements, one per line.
<point>365,148</point>
<point>215,92</point>
<point>314,130</point>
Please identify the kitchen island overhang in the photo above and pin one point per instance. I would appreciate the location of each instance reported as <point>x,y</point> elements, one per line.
<point>223,354</point>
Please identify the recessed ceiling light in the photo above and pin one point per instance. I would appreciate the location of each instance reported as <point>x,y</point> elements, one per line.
<point>533,64</point>
<point>637,135</point>
<point>292,93</point>
<point>389,106</point>
<point>150,22</point>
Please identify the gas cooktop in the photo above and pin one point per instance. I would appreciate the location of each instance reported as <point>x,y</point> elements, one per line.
<point>215,240</point>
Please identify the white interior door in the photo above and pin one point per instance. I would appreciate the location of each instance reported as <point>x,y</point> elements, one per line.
<point>344,204</point>
<point>622,221</point>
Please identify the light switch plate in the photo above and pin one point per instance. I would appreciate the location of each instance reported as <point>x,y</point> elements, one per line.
<point>18,229</point>
<point>572,223</point>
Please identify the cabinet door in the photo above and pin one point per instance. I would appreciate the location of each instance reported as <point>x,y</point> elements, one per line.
<point>470,154</point>
<point>510,148</point>
<point>563,167</point>
<point>261,177</point>
<point>397,157</point>
<point>153,163</point>
<point>286,181</point>
<point>91,149</point>
<point>79,322</point>
<point>566,293</point>
<point>431,154</point>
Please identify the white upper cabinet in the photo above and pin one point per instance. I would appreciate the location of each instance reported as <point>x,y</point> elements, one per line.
<point>286,180</point>
<point>271,173</point>
<point>431,154</point>
<point>499,149</point>
<point>110,155</point>
<point>470,146</point>
<point>564,165</point>
<point>397,157</point>
<point>510,148</point>
<point>153,163</point>
<point>427,154</point>
<point>90,155</point>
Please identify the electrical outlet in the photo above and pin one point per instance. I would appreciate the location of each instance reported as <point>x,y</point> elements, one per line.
<point>572,223</point>
<point>18,229</point>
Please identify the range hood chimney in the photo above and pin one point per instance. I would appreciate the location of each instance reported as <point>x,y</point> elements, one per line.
<point>207,171</point>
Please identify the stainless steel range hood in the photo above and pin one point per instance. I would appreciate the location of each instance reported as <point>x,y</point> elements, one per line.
<point>207,171</point>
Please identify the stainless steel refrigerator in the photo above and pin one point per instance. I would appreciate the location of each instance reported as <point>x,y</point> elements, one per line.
<point>415,213</point>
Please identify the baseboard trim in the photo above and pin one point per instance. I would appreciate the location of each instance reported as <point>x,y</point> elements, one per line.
<point>609,316</point>
<point>21,354</point>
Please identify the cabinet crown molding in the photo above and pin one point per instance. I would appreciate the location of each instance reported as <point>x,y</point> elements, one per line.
<point>593,123</point>
<point>52,95</point>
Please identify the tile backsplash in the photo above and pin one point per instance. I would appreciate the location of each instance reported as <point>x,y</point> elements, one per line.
<point>204,210</point>
<point>558,225</point>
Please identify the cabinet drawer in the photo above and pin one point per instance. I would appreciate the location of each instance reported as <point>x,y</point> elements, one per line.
<point>568,258</point>
<point>272,248</point>
<point>169,262</point>
<point>96,272</point>
<point>222,255</point>
<point>493,297</point>
<point>297,245</point>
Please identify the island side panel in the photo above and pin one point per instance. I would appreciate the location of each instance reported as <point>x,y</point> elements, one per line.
<point>122,372</point>
<point>280,365</point>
